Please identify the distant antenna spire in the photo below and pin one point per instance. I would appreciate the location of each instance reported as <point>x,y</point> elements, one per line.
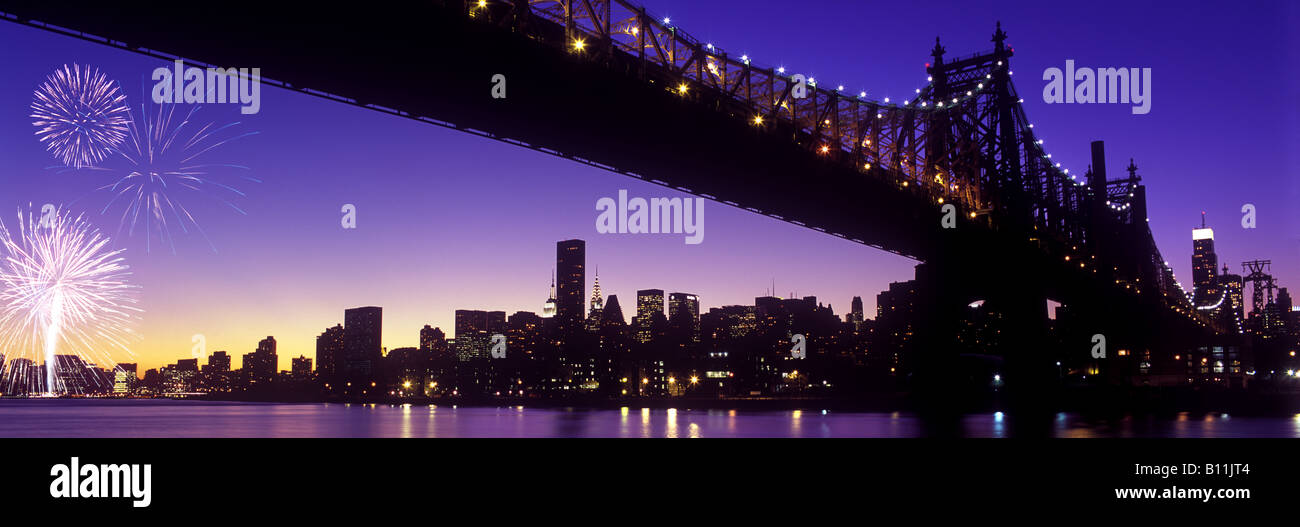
<point>1202,219</point>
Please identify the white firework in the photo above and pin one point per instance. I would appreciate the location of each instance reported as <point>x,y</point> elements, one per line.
<point>80,115</point>
<point>62,289</point>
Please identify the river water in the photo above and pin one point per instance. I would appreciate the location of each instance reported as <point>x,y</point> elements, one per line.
<point>166,418</point>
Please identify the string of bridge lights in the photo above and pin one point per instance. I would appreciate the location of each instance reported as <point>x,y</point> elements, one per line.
<point>925,105</point>
<point>908,104</point>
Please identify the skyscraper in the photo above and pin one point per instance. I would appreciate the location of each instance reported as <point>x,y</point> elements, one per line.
<point>216,375</point>
<point>524,334</point>
<point>124,377</point>
<point>362,347</point>
<point>570,263</point>
<point>649,313</point>
<point>329,354</point>
<point>548,309</point>
<point>684,309</point>
<point>260,366</point>
<point>649,302</point>
<point>474,330</point>
<point>855,313</point>
<point>1205,266</point>
<point>597,305</point>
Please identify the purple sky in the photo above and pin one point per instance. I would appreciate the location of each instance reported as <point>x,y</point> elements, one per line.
<point>448,220</point>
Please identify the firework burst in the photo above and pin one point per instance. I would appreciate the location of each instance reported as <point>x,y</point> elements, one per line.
<point>167,157</point>
<point>80,115</point>
<point>63,290</point>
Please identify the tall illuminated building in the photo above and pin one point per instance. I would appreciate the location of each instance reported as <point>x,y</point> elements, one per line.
<point>684,308</point>
<point>124,378</point>
<point>597,305</point>
<point>362,345</point>
<point>22,377</point>
<point>649,313</point>
<point>474,330</point>
<point>1205,267</point>
<point>548,309</point>
<point>649,302</point>
<point>571,279</point>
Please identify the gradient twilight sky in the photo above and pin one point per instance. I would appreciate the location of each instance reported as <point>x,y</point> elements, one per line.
<point>447,220</point>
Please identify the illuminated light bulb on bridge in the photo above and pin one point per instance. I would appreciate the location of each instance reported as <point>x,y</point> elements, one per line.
<point>825,149</point>
<point>929,78</point>
<point>918,90</point>
<point>954,100</point>
<point>862,94</point>
<point>781,69</point>
<point>904,183</point>
<point>940,104</point>
<point>999,63</point>
<point>578,44</point>
<point>681,88</point>
<point>710,46</point>
<point>1067,257</point>
<point>979,86</point>
<point>839,88</point>
<point>878,116</point>
<point>886,99</point>
<point>988,76</point>
<point>758,119</point>
<point>1021,101</point>
<point>941,201</point>
<point>867,166</point>
<point>482,3</point>
<point>812,81</point>
<point>969,93</point>
<point>668,20</point>
<point>972,215</point>
<point>923,103</point>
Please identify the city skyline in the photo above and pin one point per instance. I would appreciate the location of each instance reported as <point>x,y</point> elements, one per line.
<point>275,265</point>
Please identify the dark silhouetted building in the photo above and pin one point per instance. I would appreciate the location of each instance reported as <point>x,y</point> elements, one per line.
<point>362,347</point>
<point>330,349</point>
<point>570,264</point>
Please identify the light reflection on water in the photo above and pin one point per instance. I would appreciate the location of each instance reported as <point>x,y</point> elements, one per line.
<point>147,418</point>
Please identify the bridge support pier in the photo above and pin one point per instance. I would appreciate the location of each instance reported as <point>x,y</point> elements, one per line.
<point>946,381</point>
